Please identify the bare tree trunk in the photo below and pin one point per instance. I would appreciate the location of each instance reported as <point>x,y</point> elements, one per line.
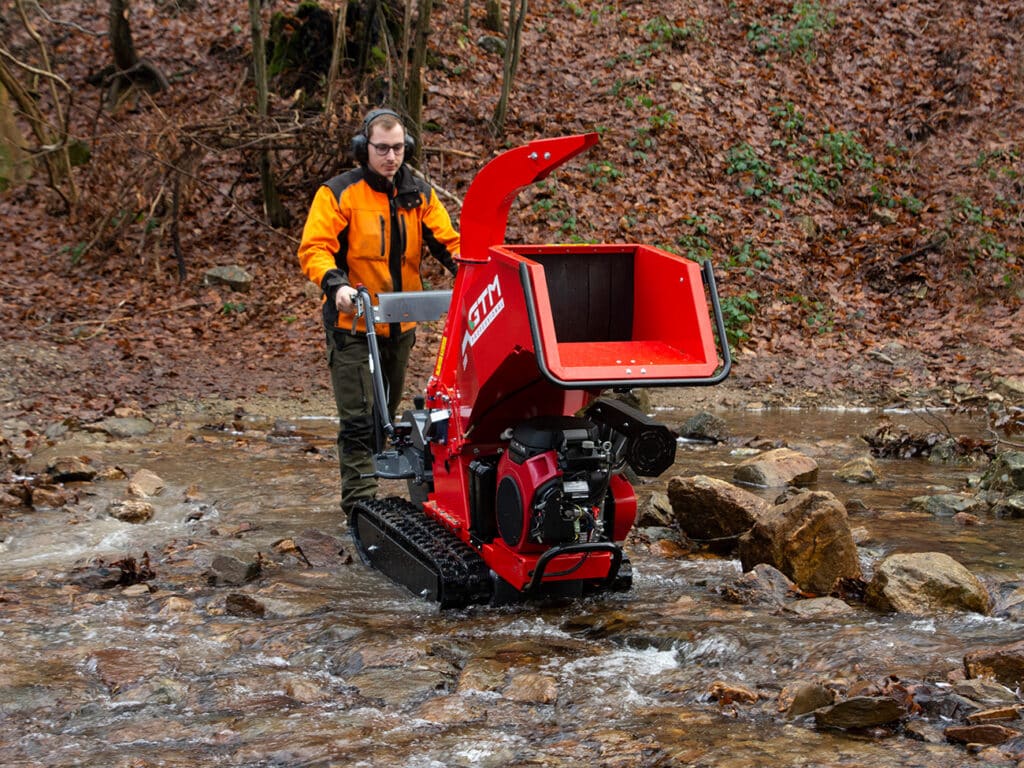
<point>339,45</point>
<point>492,15</point>
<point>512,48</point>
<point>402,75</point>
<point>414,100</point>
<point>53,142</point>
<point>465,13</point>
<point>277,214</point>
<point>15,164</point>
<point>129,71</point>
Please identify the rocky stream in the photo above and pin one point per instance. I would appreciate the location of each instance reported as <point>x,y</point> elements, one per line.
<point>811,588</point>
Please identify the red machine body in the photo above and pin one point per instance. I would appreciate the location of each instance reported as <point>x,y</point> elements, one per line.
<point>536,331</point>
<point>522,462</point>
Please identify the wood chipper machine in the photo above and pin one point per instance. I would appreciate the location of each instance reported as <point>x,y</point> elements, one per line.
<point>516,466</point>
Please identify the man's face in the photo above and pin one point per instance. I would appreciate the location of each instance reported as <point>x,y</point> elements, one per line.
<point>382,138</point>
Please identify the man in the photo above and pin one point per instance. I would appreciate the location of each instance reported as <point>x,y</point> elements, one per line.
<point>370,226</point>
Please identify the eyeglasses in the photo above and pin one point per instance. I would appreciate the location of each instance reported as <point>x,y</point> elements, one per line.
<point>383,149</point>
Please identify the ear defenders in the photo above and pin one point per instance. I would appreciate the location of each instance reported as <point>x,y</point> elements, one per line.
<point>361,141</point>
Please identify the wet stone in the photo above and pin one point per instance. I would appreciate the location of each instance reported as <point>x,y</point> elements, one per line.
<point>819,608</point>
<point>923,582</point>
<point>1005,473</point>
<point>656,510</point>
<point>71,469</point>
<point>1004,664</point>
<point>712,511</point>
<point>532,687</point>
<point>807,698</point>
<point>238,604</point>
<point>705,426</point>
<point>763,584</point>
<point>985,691</point>
<point>400,686</point>
<point>99,577</point>
<point>859,712</point>
<point>987,733</point>
<point>860,470</point>
<point>483,675</point>
<point>450,710</point>
<point>144,484</point>
<point>123,427</point>
<point>776,469</point>
<point>731,693</point>
<point>131,511</point>
<point>922,730</point>
<point>51,497</point>
<point>321,550</point>
<point>948,504</point>
<point>230,571</point>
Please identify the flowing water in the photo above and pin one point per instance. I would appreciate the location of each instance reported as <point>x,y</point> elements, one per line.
<point>336,666</point>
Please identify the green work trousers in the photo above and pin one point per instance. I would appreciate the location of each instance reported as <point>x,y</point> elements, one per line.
<point>348,356</point>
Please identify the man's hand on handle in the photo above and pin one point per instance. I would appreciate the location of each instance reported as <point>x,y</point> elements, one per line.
<point>345,299</point>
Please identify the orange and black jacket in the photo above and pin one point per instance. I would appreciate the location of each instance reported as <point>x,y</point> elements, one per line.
<point>365,230</point>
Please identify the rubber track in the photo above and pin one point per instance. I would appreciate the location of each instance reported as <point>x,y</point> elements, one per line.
<point>464,576</point>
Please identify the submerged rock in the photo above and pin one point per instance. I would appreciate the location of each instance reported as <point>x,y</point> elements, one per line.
<point>131,510</point>
<point>230,571</point>
<point>983,733</point>
<point>763,584</point>
<point>923,582</point>
<point>860,470</point>
<point>1004,664</point>
<point>705,426</point>
<point>777,468</point>
<point>1005,473</point>
<point>71,469</point>
<point>948,504</point>
<point>144,484</point>
<point>806,698</point>
<point>860,712</point>
<point>123,426</point>
<point>532,687</point>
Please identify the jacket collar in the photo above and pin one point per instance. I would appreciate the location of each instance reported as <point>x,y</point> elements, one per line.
<point>403,181</point>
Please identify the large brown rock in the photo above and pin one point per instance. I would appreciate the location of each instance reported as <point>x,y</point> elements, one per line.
<point>713,511</point>
<point>924,582</point>
<point>1004,664</point>
<point>808,538</point>
<point>777,469</point>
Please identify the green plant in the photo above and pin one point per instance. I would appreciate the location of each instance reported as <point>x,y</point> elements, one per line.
<point>912,204</point>
<point>662,120</point>
<point>757,175</point>
<point>662,31</point>
<point>77,251</point>
<point>817,316</point>
<point>232,308</point>
<point>748,257</point>
<point>790,122</point>
<point>970,210</point>
<point>738,313</point>
<point>845,151</point>
<point>795,32</point>
<point>601,173</point>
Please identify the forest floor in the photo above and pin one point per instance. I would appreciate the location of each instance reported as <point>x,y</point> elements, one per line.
<point>856,179</point>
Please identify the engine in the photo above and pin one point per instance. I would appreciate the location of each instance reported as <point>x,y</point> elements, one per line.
<point>552,483</point>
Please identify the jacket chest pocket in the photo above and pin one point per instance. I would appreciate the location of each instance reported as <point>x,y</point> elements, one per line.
<point>368,239</point>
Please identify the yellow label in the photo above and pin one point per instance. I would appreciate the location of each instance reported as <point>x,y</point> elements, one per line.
<point>440,355</point>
